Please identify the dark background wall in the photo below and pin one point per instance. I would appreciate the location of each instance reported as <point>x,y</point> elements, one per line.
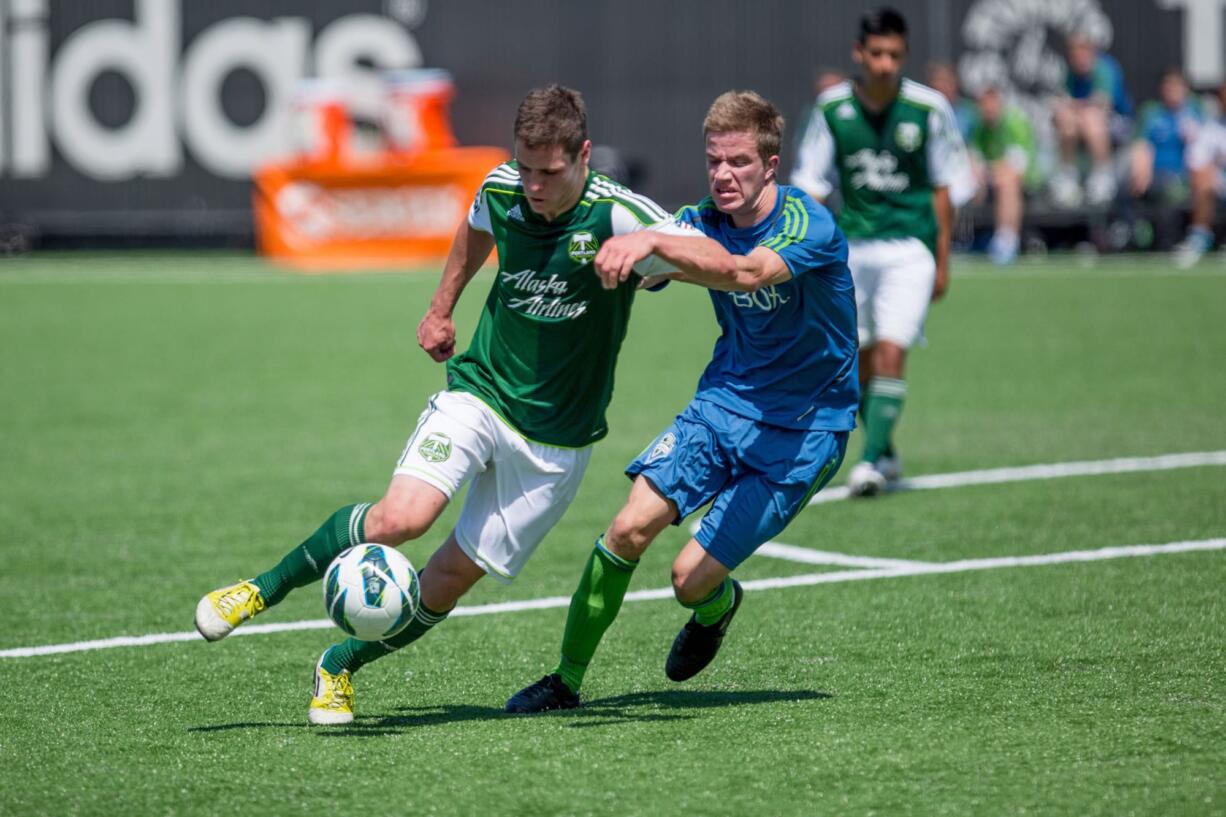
<point>647,68</point>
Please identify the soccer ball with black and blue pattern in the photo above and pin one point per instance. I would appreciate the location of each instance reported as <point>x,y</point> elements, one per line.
<point>371,592</point>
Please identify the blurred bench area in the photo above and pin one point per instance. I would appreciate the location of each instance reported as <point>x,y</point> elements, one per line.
<point>328,133</point>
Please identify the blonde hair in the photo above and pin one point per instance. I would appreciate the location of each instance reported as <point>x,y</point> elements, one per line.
<point>746,112</point>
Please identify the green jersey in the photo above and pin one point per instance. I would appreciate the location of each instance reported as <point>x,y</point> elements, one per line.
<point>546,344</point>
<point>885,164</point>
<point>1011,137</point>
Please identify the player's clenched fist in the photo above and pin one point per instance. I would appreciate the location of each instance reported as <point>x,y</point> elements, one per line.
<point>619,254</point>
<point>436,335</point>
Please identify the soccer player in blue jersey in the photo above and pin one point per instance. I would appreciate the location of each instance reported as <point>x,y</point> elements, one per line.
<point>768,426</point>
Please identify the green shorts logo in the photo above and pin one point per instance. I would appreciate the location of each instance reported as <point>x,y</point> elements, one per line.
<point>583,247</point>
<point>435,448</point>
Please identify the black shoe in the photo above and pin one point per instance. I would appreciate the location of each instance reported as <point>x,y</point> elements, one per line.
<point>551,692</point>
<point>697,644</point>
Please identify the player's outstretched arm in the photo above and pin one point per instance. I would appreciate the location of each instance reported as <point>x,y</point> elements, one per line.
<point>763,267</point>
<point>469,249</point>
<point>692,256</point>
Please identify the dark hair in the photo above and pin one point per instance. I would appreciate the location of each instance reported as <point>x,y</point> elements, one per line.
<point>553,115</point>
<point>746,112</point>
<point>882,21</point>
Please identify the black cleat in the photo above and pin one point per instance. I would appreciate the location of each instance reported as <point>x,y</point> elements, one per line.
<point>551,692</point>
<point>697,644</point>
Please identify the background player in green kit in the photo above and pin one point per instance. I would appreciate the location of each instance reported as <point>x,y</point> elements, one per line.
<point>523,405</point>
<point>893,148</point>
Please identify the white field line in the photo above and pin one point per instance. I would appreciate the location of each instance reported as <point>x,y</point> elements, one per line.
<point>809,556</point>
<point>1089,468</point>
<point>905,569</point>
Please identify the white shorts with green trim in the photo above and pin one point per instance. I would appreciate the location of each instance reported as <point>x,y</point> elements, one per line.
<point>894,278</point>
<point>519,488</point>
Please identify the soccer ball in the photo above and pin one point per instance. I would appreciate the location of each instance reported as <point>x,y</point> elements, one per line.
<point>371,592</point>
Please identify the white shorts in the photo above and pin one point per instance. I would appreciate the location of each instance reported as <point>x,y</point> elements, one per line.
<point>519,491</point>
<point>894,278</point>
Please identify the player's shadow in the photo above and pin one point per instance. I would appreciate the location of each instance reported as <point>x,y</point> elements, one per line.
<point>652,706</point>
<point>228,727</point>
<point>412,717</point>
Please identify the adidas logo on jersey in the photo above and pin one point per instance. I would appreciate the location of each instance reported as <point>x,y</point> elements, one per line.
<point>515,213</point>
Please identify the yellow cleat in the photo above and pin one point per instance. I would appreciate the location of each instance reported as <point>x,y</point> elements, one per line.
<point>333,701</point>
<point>221,611</point>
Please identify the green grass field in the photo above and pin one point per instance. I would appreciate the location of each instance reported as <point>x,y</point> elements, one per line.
<point>174,422</point>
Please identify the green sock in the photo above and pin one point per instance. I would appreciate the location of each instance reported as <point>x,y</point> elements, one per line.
<point>883,401</point>
<point>711,609</point>
<point>307,562</point>
<point>352,654</point>
<point>592,609</point>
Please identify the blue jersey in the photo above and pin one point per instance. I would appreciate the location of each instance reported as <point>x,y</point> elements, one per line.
<point>1106,78</point>
<point>788,352</point>
<point>1169,132</point>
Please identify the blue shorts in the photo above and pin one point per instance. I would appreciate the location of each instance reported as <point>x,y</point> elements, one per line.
<point>759,476</point>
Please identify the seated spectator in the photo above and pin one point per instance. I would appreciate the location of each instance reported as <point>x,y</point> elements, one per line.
<point>942,77</point>
<point>1206,159</point>
<point>1165,127</point>
<point>1002,145</point>
<point>1095,106</point>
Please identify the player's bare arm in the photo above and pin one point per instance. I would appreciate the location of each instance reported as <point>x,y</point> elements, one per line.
<point>763,267</point>
<point>617,256</point>
<point>436,332</point>
<point>944,210</point>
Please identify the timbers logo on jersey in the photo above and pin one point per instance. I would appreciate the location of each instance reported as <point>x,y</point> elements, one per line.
<point>583,247</point>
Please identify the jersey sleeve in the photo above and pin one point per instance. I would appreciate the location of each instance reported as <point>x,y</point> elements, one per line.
<point>807,240</point>
<point>644,214</point>
<point>479,213</point>
<point>948,162</point>
<point>504,176</point>
<point>815,171</point>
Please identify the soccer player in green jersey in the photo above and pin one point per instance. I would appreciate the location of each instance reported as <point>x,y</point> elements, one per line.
<point>523,404</point>
<point>892,147</point>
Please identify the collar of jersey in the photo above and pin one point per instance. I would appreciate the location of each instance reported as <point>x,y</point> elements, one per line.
<point>875,116</point>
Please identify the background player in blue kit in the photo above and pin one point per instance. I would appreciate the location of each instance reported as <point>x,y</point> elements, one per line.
<point>769,423</point>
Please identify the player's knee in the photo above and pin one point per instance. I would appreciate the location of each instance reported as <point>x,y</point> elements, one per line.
<point>626,537</point>
<point>685,586</point>
<point>888,359</point>
<point>391,524</point>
